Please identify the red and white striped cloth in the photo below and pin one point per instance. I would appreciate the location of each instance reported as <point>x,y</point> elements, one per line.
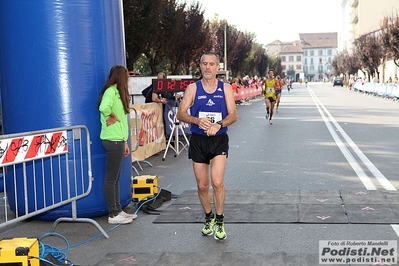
<point>17,150</point>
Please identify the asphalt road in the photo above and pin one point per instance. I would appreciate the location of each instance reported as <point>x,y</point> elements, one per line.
<point>322,138</point>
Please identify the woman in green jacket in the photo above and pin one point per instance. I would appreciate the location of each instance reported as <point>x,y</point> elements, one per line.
<point>113,105</point>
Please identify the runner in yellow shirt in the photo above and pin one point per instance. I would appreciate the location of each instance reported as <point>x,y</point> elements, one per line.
<point>270,95</point>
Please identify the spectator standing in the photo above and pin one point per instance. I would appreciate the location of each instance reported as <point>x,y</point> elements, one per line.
<point>113,105</point>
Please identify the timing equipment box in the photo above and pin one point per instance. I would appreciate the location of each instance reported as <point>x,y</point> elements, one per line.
<point>144,186</point>
<point>19,251</point>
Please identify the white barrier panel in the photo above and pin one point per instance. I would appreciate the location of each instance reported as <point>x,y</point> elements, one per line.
<point>379,89</point>
<point>45,170</point>
<point>20,149</point>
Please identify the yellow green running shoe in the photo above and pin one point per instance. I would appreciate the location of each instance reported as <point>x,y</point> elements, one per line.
<point>207,230</point>
<point>220,234</point>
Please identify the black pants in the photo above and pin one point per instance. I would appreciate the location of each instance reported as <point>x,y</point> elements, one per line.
<point>113,167</point>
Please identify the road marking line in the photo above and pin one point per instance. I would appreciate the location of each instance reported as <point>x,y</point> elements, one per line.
<point>349,157</point>
<point>380,177</point>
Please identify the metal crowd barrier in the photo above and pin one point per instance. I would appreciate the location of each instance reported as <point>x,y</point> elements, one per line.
<point>44,170</point>
<point>389,91</point>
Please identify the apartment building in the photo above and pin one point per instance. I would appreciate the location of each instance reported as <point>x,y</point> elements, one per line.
<point>319,49</point>
<point>291,60</point>
<point>360,17</point>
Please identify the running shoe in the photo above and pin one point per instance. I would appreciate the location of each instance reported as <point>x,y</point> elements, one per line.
<point>267,116</point>
<point>220,234</point>
<point>207,230</point>
<point>270,121</point>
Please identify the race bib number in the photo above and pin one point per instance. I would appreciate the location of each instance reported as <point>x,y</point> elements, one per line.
<point>270,90</point>
<point>214,116</point>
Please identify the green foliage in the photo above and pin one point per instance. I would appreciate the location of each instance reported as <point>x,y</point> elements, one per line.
<point>275,64</point>
<point>164,35</point>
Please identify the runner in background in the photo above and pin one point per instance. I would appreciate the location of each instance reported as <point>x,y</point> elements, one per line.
<point>279,88</point>
<point>270,95</point>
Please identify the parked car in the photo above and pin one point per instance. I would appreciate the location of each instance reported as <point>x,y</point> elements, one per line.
<point>338,82</point>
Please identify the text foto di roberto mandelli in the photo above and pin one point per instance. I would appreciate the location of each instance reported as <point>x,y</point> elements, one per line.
<point>357,251</point>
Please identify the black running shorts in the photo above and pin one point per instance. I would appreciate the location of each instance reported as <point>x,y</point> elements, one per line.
<point>203,148</point>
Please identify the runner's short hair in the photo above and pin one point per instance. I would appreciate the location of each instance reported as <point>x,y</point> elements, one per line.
<point>211,53</point>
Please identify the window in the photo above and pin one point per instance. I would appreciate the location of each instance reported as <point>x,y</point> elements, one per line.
<point>320,68</point>
<point>329,52</point>
<point>320,52</point>
<point>305,53</point>
<point>311,68</point>
<point>305,68</point>
<point>311,61</point>
<point>311,53</point>
<point>298,67</point>
<point>291,67</point>
<point>320,60</point>
<point>329,60</point>
<point>291,58</point>
<point>283,58</point>
<point>298,58</point>
<point>284,67</point>
<point>306,61</point>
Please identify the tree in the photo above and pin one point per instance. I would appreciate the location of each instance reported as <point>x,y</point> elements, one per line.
<point>335,66</point>
<point>189,33</point>
<point>390,36</point>
<point>275,64</point>
<point>158,47</point>
<point>351,64</point>
<point>173,36</point>
<point>369,50</point>
<point>239,45</point>
<point>261,67</point>
<point>241,51</point>
<point>345,63</point>
<point>140,27</point>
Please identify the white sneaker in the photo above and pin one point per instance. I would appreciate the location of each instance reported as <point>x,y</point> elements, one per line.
<point>128,215</point>
<point>270,122</point>
<point>119,220</point>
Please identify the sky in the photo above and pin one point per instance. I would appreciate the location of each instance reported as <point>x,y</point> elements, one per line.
<point>278,19</point>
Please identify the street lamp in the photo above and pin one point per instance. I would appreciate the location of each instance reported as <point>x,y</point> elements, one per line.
<point>225,50</point>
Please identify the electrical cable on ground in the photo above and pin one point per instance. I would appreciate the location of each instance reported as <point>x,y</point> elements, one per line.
<point>61,256</point>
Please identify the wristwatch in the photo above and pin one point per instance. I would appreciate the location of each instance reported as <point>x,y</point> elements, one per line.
<point>220,123</point>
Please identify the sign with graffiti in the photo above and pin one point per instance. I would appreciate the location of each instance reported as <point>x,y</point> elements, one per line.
<point>20,149</point>
<point>150,138</point>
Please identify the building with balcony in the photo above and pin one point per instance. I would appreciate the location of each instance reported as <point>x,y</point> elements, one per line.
<point>319,49</point>
<point>361,17</point>
<point>291,60</point>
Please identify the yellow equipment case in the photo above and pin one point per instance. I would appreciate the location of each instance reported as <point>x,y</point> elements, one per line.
<point>19,252</point>
<point>144,186</point>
